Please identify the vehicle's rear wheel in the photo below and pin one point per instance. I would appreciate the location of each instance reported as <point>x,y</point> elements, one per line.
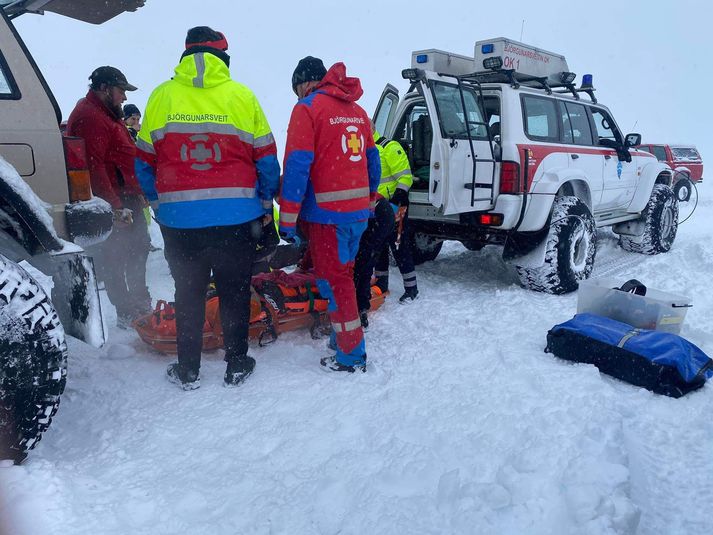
<point>571,245</point>
<point>660,224</point>
<point>682,190</point>
<point>425,248</point>
<point>33,361</point>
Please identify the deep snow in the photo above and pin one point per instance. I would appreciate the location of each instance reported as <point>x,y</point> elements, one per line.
<point>461,425</point>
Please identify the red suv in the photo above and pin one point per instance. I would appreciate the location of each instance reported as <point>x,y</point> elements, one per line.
<point>686,163</point>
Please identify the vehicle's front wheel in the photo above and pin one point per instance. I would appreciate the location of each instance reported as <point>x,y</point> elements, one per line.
<point>425,248</point>
<point>682,190</point>
<point>33,361</point>
<point>570,247</point>
<point>660,224</point>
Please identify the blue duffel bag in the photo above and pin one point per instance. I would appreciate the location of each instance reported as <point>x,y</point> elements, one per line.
<point>661,362</point>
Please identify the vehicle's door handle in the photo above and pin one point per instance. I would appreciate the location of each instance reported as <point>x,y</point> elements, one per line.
<point>607,156</point>
<point>575,156</point>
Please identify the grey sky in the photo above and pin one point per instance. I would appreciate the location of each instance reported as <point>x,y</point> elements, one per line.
<point>651,61</point>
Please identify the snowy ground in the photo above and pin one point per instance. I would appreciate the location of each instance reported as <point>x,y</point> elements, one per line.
<point>462,424</point>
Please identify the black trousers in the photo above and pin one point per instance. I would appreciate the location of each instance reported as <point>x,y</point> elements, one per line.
<point>403,254</point>
<point>373,241</point>
<point>121,263</point>
<point>193,254</point>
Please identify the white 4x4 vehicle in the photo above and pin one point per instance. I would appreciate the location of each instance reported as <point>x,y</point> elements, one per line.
<point>512,155</point>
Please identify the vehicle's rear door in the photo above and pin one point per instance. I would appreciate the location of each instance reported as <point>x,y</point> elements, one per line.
<point>465,187</point>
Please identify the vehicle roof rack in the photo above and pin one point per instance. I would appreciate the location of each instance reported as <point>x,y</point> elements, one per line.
<point>515,79</point>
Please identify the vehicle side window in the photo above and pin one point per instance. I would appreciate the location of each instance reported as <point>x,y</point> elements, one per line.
<point>8,89</point>
<point>605,127</point>
<point>541,118</point>
<point>581,130</point>
<point>659,152</point>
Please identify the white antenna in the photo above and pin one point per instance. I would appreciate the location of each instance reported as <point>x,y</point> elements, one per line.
<point>522,29</point>
<point>633,128</point>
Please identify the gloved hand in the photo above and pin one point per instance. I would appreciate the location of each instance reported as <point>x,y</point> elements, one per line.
<point>123,216</point>
<point>290,237</point>
<point>400,197</point>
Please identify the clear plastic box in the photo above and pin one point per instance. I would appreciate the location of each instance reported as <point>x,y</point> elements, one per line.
<point>657,310</point>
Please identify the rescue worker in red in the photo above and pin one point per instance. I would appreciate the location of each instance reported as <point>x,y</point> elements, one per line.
<point>208,164</point>
<point>331,175</point>
<point>121,259</point>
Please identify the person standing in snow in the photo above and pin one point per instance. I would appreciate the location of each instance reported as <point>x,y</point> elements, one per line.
<point>386,228</point>
<point>132,120</point>
<point>396,181</point>
<point>121,259</point>
<point>208,164</point>
<point>331,174</point>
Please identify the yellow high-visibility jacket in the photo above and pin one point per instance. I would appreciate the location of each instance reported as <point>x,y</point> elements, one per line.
<point>395,168</point>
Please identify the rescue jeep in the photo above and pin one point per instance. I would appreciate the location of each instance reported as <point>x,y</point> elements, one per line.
<point>505,150</point>
<point>47,215</point>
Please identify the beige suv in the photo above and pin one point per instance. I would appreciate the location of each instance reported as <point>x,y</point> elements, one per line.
<point>47,216</point>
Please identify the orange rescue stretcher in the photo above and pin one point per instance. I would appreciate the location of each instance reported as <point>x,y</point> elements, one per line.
<point>279,302</point>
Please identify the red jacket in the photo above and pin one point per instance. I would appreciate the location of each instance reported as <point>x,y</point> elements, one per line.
<point>332,167</point>
<point>110,149</point>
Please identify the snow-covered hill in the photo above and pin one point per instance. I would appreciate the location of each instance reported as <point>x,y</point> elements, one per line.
<point>461,425</point>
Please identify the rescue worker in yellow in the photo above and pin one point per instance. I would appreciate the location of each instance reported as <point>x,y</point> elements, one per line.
<point>208,164</point>
<point>387,229</point>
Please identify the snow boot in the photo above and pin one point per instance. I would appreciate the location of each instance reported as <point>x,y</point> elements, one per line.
<point>186,379</point>
<point>409,296</point>
<point>330,364</point>
<point>238,369</point>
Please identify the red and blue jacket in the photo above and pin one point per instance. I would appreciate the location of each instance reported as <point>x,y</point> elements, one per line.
<point>331,167</point>
<point>207,156</point>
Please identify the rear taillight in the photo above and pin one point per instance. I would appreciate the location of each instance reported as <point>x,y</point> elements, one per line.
<point>78,177</point>
<point>510,178</point>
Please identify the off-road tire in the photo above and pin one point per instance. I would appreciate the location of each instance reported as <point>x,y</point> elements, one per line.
<point>571,245</point>
<point>33,361</point>
<point>660,221</point>
<point>683,189</point>
<point>425,248</point>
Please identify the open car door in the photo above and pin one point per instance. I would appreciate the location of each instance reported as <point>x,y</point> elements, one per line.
<point>92,11</point>
<point>461,147</point>
<point>386,110</point>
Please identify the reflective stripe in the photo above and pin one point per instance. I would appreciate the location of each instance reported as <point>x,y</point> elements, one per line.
<point>402,186</point>
<point>628,336</point>
<point>381,273</point>
<point>205,194</point>
<point>263,141</point>
<point>410,284</point>
<point>145,146</point>
<point>342,195</point>
<point>390,178</point>
<point>201,128</point>
<point>347,326</point>
<point>409,275</point>
<point>200,70</point>
<point>288,218</point>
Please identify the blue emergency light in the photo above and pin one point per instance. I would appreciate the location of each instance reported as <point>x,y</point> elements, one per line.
<point>422,58</point>
<point>487,49</point>
<point>587,81</point>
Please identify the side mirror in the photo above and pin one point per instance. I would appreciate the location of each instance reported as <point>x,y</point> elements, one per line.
<point>632,140</point>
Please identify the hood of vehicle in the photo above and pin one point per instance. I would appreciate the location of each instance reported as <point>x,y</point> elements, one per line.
<point>92,11</point>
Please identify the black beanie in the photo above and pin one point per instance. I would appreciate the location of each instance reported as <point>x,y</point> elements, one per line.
<point>309,69</point>
<point>205,36</point>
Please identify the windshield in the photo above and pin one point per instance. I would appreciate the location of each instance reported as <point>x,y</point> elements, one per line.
<point>450,112</point>
<point>685,153</point>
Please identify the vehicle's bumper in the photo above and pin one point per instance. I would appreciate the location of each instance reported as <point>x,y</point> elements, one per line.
<point>89,222</point>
